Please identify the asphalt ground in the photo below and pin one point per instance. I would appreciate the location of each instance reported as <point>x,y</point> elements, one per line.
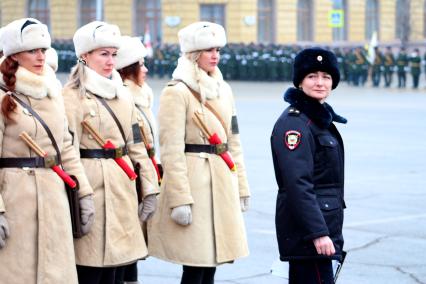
<point>385,186</point>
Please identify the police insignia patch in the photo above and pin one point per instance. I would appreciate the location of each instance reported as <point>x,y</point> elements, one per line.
<point>292,139</point>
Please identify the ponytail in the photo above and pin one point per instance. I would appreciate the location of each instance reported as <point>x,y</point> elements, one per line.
<point>8,69</point>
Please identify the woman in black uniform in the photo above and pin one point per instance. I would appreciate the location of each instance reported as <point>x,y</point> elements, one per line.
<point>308,158</point>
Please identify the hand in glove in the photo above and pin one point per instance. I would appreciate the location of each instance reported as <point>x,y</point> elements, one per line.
<point>147,207</point>
<point>244,202</point>
<point>87,213</point>
<point>4,230</point>
<point>182,215</point>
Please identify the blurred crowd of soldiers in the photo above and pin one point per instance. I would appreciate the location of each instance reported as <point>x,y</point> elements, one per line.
<point>273,62</point>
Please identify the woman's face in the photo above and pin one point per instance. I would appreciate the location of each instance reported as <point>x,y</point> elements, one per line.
<point>101,60</point>
<point>209,59</point>
<point>142,74</point>
<point>32,60</point>
<point>317,85</point>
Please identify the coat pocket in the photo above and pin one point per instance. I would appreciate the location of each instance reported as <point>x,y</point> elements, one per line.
<point>332,211</point>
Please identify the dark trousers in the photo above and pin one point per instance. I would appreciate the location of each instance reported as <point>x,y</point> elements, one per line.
<point>310,272</point>
<point>198,275</point>
<point>128,273</point>
<point>416,78</point>
<point>95,275</point>
<point>402,78</point>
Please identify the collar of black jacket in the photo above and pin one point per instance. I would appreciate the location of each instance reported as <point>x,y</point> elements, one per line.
<point>321,114</point>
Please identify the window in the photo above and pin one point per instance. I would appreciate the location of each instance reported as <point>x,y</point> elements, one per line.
<point>147,18</point>
<point>402,19</point>
<point>424,19</point>
<point>90,10</point>
<point>304,20</point>
<point>214,13</point>
<point>341,32</point>
<point>265,21</point>
<point>39,9</point>
<point>371,19</point>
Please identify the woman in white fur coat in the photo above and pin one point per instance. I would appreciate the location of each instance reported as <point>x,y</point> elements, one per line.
<point>36,240</point>
<point>116,238</point>
<point>131,66</point>
<point>199,223</point>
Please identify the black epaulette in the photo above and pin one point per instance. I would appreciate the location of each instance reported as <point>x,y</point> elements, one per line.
<point>294,111</point>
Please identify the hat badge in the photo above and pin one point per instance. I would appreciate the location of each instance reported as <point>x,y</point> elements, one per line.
<point>319,58</point>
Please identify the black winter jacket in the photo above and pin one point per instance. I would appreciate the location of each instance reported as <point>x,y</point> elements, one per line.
<point>308,158</point>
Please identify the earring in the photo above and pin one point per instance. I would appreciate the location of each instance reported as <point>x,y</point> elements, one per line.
<point>82,61</point>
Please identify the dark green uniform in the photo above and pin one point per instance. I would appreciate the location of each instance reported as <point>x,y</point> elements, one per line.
<point>377,67</point>
<point>415,66</point>
<point>389,66</point>
<point>402,66</point>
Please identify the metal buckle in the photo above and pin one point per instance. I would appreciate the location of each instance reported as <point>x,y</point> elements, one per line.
<point>118,153</point>
<point>151,152</point>
<point>50,161</point>
<point>221,148</point>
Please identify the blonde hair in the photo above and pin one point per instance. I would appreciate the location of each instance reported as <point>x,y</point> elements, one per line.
<point>76,78</point>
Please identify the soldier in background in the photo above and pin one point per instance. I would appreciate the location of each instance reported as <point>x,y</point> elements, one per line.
<point>402,66</point>
<point>415,62</point>
<point>424,62</point>
<point>389,66</point>
<point>377,67</point>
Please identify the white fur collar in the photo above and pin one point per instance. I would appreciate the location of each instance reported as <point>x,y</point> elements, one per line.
<point>207,85</point>
<point>142,95</point>
<point>36,86</point>
<point>102,86</point>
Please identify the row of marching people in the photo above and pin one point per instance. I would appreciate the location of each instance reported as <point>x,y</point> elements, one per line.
<point>79,182</point>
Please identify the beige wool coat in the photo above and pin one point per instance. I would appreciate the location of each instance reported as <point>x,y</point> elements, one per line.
<point>217,232</point>
<point>116,237</point>
<point>144,99</point>
<point>40,247</point>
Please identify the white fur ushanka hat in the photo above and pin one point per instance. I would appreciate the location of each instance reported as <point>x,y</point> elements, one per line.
<point>131,51</point>
<point>200,36</point>
<point>95,35</point>
<point>52,58</point>
<point>24,34</point>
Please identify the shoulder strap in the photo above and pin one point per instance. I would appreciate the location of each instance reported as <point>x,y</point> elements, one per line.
<point>38,117</point>
<point>208,106</point>
<point>111,112</point>
<point>147,121</point>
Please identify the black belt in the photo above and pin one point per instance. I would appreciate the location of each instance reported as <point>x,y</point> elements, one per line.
<point>36,162</point>
<point>103,153</point>
<point>211,149</point>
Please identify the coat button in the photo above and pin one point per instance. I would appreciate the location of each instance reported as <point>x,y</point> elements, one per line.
<point>92,113</point>
<point>26,112</point>
<point>326,205</point>
<point>331,142</point>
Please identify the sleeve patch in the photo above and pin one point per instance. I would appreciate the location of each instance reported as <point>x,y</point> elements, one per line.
<point>234,125</point>
<point>137,135</point>
<point>292,139</point>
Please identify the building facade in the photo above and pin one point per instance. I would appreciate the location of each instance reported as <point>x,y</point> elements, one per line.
<point>260,21</point>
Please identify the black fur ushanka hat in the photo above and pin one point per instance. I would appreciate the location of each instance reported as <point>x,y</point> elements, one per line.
<point>312,60</point>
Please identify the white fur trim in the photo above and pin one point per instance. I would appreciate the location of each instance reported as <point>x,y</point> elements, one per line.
<point>36,86</point>
<point>95,35</point>
<point>33,36</point>
<point>209,86</point>
<point>102,86</point>
<point>131,51</point>
<point>142,95</point>
<point>200,36</point>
